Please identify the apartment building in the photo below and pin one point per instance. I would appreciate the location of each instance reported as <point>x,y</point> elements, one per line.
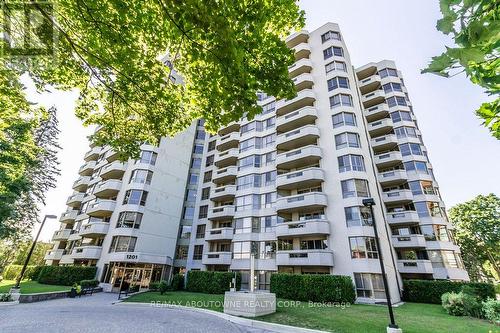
<point>286,186</point>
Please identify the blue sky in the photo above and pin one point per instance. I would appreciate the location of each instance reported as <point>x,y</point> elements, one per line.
<point>464,155</point>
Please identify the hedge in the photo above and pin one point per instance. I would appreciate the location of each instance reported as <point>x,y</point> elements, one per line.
<point>66,275</point>
<point>89,283</point>
<point>35,273</point>
<point>430,291</point>
<point>211,282</point>
<point>313,287</point>
<point>11,272</point>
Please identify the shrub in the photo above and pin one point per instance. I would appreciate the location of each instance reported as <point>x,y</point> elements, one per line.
<point>66,275</point>
<point>11,272</point>
<point>5,298</point>
<point>453,303</point>
<point>163,287</point>
<point>177,282</point>
<point>154,285</point>
<point>491,310</point>
<point>430,291</point>
<point>89,283</point>
<point>35,273</point>
<point>312,287</point>
<point>211,282</point>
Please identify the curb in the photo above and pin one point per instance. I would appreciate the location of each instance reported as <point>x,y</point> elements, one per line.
<point>8,303</point>
<point>233,319</point>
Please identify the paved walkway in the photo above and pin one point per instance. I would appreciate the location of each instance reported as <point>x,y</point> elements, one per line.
<point>96,314</point>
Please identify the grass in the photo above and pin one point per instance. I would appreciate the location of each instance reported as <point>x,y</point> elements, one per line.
<point>411,317</point>
<point>30,287</point>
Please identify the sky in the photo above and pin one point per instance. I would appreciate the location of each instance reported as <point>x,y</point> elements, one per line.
<point>463,153</point>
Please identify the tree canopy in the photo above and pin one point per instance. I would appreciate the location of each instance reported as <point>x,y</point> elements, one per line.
<point>123,56</point>
<point>477,232</point>
<point>474,25</point>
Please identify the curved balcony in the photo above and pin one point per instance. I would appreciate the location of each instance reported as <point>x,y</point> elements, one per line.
<point>92,154</point>
<point>304,98</point>
<point>403,217</point>
<point>304,258</point>
<point>75,200</point>
<point>300,67</point>
<point>219,234</point>
<point>380,127</point>
<point>415,266</point>
<point>304,178</point>
<point>369,84</point>
<point>302,202</point>
<point>54,254</point>
<point>302,50</point>
<point>373,98</point>
<point>301,117</point>
<point>297,38</point>
<point>303,228</point>
<point>94,229</point>
<point>231,127</point>
<point>228,141</point>
<point>409,241</point>
<point>386,142</point>
<point>303,136</point>
<point>108,188</point>
<point>303,81</point>
<point>389,159</point>
<point>393,177</point>
<point>299,157</point>
<point>223,193</point>
<point>113,170</point>
<point>226,158</point>
<point>74,235</point>
<point>87,169</point>
<point>86,252</point>
<point>81,184</point>
<point>111,155</point>
<point>61,235</point>
<point>225,175</point>
<point>217,258</point>
<point>397,196</point>
<point>376,112</point>
<point>221,212</point>
<point>101,208</point>
<point>66,259</point>
<point>69,216</point>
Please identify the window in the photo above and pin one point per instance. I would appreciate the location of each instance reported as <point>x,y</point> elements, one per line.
<point>422,187</point>
<point>355,188</point>
<point>193,179</point>
<point>343,119</point>
<point>129,220</point>
<point>336,66</point>
<point>351,163</point>
<point>148,157</point>
<point>410,149</point>
<point>200,122</point>
<point>405,131</point>
<point>389,87</point>
<point>358,216</point>
<point>196,163</point>
<point>333,51</point>
<point>198,149</point>
<point>268,107</point>
<point>122,244</point>
<point>396,100</point>
<point>198,252</point>
<point>363,248</point>
<point>181,252</point>
<point>141,176</point>
<point>188,213</point>
<point>315,244</point>
<point>400,116</point>
<point>330,35</point>
<point>419,167</point>
<point>427,209</point>
<point>209,161</point>
<point>369,285</point>
<point>249,161</point>
<point>436,232</point>
<point>135,197</point>
<point>211,145</point>
<point>447,259</point>
<point>340,100</point>
<point>337,82</point>
<point>207,177</point>
<point>347,139</point>
<point>387,72</point>
<point>200,231</point>
<point>205,193</point>
<point>200,135</point>
<point>250,201</point>
<point>190,195</point>
<point>203,212</point>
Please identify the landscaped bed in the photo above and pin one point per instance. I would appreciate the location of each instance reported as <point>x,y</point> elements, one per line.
<point>31,287</point>
<point>412,317</point>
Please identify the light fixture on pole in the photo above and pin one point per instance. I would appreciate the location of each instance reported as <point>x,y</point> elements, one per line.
<point>28,257</point>
<point>392,327</point>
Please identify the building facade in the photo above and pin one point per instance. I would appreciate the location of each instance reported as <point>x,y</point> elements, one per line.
<point>286,186</point>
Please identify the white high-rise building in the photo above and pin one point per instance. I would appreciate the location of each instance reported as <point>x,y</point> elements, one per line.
<point>287,186</point>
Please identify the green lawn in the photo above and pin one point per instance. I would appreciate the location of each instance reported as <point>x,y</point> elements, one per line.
<point>30,287</point>
<point>412,317</point>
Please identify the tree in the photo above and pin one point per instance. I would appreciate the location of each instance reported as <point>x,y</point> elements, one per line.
<point>14,253</point>
<point>477,232</point>
<point>475,28</point>
<point>127,58</point>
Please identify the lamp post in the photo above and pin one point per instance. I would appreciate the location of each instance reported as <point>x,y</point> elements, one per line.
<point>28,257</point>
<point>392,326</point>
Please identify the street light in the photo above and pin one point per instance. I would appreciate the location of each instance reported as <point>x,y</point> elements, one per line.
<point>392,326</point>
<point>20,277</point>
